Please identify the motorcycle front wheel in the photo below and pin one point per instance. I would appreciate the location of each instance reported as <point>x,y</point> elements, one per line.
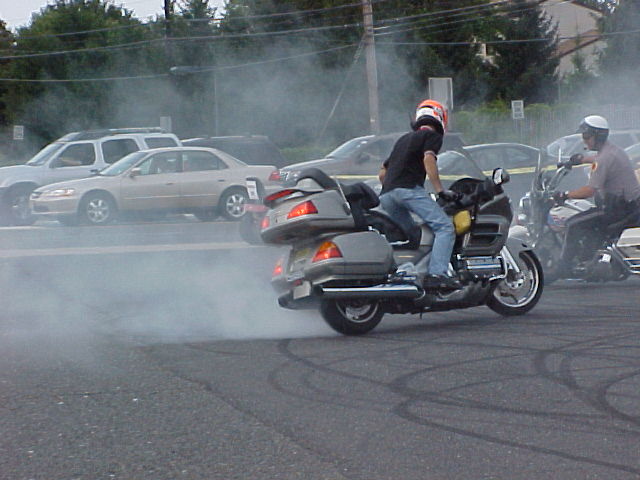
<point>520,291</point>
<point>351,317</point>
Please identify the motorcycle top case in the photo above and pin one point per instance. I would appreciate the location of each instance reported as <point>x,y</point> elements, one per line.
<point>306,216</point>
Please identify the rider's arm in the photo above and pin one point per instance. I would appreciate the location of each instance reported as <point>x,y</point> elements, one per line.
<point>582,192</point>
<point>431,168</point>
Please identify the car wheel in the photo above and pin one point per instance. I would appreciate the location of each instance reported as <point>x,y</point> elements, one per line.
<point>206,215</point>
<point>231,204</point>
<point>98,209</point>
<point>17,206</point>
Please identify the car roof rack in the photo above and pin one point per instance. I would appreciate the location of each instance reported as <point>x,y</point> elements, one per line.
<point>105,132</point>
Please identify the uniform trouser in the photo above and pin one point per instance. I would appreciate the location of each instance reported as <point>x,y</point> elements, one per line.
<point>589,224</point>
<point>400,202</point>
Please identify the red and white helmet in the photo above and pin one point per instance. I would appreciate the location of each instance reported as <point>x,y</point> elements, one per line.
<point>431,113</point>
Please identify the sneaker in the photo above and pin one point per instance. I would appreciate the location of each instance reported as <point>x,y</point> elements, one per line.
<point>441,282</point>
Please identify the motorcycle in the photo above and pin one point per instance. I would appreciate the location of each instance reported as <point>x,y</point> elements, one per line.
<point>353,262</point>
<point>608,255</point>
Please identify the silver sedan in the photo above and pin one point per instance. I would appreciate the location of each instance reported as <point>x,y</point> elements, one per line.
<point>203,181</point>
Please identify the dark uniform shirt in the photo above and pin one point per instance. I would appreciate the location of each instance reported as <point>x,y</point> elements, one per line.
<point>405,165</point>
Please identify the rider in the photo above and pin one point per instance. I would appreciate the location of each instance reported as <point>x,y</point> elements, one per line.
<point>612,183</point>
<point>403,174</point>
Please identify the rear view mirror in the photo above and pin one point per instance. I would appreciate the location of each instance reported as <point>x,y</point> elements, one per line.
<point>135,172</point>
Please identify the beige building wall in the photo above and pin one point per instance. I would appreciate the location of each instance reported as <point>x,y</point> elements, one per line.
<point>574,19</point>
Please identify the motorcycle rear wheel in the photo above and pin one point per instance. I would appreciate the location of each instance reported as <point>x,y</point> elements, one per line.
<point>351,317</point>
<point>518,293</point>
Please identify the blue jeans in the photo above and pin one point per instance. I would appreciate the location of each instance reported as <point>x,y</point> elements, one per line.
<point>400,202</point>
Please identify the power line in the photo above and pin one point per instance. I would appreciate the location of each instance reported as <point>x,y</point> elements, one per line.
<point>194,70</point>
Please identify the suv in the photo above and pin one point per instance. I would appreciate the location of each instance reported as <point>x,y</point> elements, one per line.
<point>251,149</point>
<point>76,155</point>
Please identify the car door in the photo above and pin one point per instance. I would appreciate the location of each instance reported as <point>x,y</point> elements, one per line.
<point>75,160</point>
<point>205,176</point>
<point>153,184</point>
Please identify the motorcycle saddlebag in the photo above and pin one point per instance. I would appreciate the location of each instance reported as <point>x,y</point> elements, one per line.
<point>356,256</point>
<point>306,216</point>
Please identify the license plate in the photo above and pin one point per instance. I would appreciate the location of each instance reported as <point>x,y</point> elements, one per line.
<point>301,291</point>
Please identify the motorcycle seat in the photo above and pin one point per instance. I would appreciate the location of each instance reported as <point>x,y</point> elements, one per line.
<point>396,235</point>
<point>616,228</point>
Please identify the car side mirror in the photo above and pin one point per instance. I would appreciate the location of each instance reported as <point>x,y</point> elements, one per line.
<point>500,176</point>
<point>135,172</point>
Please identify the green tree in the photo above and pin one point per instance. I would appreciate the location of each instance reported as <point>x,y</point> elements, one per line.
<point>525,70</point>
<point>90,33</point>
<point>6,49</point>
<point>623,38</point>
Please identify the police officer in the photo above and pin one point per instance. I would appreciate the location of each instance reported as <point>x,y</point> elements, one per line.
<point>612,183</point>
<point>403,174</point>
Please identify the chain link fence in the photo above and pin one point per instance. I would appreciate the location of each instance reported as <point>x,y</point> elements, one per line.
<point>542,124</point>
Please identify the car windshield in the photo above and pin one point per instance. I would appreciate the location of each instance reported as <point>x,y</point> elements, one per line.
<point>123,164</point>
<point>45,154</point>
<point>348,148</point>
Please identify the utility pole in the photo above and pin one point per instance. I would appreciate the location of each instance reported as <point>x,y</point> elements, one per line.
<point>372,69</point>
<point>168,14</point>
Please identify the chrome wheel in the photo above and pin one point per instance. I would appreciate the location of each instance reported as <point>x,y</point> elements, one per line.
<point>520,291</point>
<point>232,204</point>
<point>98,209</point>
<point>351,317</point>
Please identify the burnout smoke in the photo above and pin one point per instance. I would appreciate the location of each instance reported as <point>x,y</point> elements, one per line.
<point>64,304</point>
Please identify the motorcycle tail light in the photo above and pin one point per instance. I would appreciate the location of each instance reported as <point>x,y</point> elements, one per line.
<point>264,223</point>
<point>281,194</point>
<point>275,176</point>
<point>326,251</point>
<point>306,208</point>
<point>278,269</point>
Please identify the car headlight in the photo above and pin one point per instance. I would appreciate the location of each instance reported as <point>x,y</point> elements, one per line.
<point>59,192</point>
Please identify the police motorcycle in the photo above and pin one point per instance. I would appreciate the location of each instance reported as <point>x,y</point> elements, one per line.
<point>609,255</point>
<point>346,257</point>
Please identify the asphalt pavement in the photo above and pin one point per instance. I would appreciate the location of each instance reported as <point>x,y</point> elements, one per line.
<point>176,362</point>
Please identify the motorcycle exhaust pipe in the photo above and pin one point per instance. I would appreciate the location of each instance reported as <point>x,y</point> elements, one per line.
<point>376,292</point>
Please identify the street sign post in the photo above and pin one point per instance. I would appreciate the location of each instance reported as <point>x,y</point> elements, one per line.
<point>517,109</point>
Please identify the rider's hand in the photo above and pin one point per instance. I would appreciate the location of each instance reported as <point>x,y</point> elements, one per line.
<point>448,195</point>
<point>576,159</point>
<point>560,197</point>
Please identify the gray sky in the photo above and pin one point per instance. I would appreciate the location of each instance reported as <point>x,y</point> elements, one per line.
<point>17,13</point>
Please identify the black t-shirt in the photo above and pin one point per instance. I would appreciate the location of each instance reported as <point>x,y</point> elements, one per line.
<point>405,165</point>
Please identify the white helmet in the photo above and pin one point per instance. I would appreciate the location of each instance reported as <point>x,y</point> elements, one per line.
<point>595,126</point>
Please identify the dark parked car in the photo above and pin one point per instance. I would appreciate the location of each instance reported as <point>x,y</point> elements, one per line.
<point>520,161</point>
<point>251,149</point>
<point>361,157</point>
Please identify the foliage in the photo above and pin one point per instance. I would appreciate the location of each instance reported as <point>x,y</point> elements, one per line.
<point>621,53</point>
<point>525,70</point>
<point>266,67</point>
